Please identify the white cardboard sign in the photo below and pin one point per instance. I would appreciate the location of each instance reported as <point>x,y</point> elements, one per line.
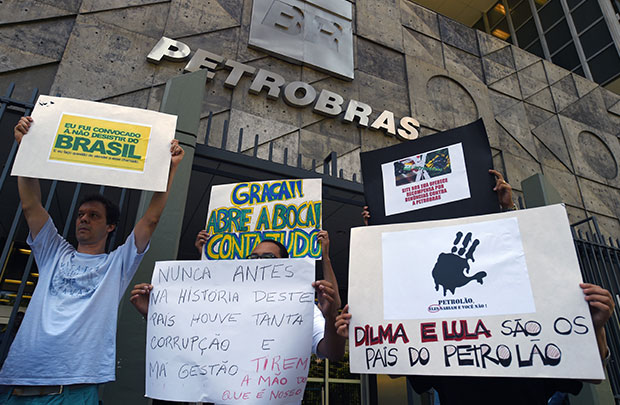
<point>493,295</point>
<point>230,331</point>
<point>97,143</point>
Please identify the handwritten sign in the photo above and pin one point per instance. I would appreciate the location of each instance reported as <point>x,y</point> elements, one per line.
<point>425,180</point>
<point>84,141</point>
<point>230,332</point>
<point>493,295</point>
<point>243,214</point>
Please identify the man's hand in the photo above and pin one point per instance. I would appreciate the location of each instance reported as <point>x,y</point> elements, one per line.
<point>365,215</point>
<point>140,295</point>
<point>201,239</point>
<point>601,305</point>
<point>146,225</point>
<point>329,299</point>
<point>323,238</point>
<point>22,128</point>
<point>503,190</point>
<point>342,322</point>
<point>177,153</point>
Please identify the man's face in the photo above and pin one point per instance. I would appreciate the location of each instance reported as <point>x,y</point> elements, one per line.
<point>266,248</point>
<point>90,224</point>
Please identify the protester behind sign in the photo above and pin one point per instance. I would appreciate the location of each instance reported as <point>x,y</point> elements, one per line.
<point>326,342</point>
<point>496,390</point>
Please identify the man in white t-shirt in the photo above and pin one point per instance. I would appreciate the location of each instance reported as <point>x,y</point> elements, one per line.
<point>66,344</point>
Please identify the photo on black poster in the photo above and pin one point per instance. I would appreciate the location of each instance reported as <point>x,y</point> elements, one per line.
<point>440,176</point>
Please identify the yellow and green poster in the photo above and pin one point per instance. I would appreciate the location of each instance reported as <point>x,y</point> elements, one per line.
<point>241,215</point>
<point>99,142</point>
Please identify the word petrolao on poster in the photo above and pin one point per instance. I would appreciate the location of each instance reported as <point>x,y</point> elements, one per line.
<point>493,295</point>
<point>89,142</point>
<point>243,214</point>
<point>230,332</point>
<point>444,175</point>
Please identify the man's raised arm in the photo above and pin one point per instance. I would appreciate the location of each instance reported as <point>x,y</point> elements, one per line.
<point>146,226</point>
<point>332,344</point>
<point>29,188</point>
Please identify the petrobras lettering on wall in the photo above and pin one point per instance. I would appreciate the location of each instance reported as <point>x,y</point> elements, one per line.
<point>316,33</point>
<point>296,94</point>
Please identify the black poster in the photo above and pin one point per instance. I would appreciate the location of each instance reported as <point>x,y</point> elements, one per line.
<point>440,176</point>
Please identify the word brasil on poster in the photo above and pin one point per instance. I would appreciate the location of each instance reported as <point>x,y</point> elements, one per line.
<point>241,215</point>
<point>99,142</point>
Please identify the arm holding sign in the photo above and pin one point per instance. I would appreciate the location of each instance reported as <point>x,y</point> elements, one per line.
<point>139,297</point>
<point>146,226</point>
<point>29,188</point>
<point>201,238</point>
<point>332,345</point>
<point>503,190</point>
<point>601,305</point>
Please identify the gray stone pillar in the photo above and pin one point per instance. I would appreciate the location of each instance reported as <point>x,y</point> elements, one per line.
<point>183,97</point>
<point>538,192</point>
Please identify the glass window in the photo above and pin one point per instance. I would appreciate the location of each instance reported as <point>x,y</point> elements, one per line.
<point>496,13</point>
<point>579,71</point>
<point>527,33</point>
<point>550,13</point>
<point>595,39</point>
<point>573,3</point>
<point>558,36</point>
<point>604,66</point>
<point>536,49</point>
<point>567,57</point>
<point>479,25</point>
<point>501,30</point>
<point>540,3</point>
<point>514,3</point>
<point>344,394</point>
<point>586,14</point>
<point>520,14</point>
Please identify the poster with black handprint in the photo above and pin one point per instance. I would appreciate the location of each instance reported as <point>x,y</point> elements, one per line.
<point>488,296</point>
<point>467,270</point>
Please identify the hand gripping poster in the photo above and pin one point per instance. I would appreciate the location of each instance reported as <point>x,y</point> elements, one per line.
<point>444,175</point>
<point>492,295</point>
<point>243,214</point>
<point>97,143</point>
<point>230,331</point>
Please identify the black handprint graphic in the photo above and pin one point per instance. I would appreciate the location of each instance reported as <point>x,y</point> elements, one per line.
<point>449,271</point>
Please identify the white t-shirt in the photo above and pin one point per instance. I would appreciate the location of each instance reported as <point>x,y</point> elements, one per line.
<point>68,335</point>
<point>318,330</point>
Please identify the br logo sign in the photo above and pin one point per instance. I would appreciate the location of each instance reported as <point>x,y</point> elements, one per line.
<point>316,33</point>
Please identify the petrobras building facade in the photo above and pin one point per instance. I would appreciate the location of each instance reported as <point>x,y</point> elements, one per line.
<point>313,81</point>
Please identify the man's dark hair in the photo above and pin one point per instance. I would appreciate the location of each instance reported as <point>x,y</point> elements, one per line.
<point>112,212</point>
<point>283,251</point>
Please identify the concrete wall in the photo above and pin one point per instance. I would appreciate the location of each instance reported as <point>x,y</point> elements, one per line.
<point>409,60</point>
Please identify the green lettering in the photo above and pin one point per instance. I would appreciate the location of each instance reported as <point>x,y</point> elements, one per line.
<point>81,143</point>
<point>279,217</point>
<point>98,146</point>
<point>63,141</point>
<point>263,220</point>
<point>114,149</point>
<point>212,223</point>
